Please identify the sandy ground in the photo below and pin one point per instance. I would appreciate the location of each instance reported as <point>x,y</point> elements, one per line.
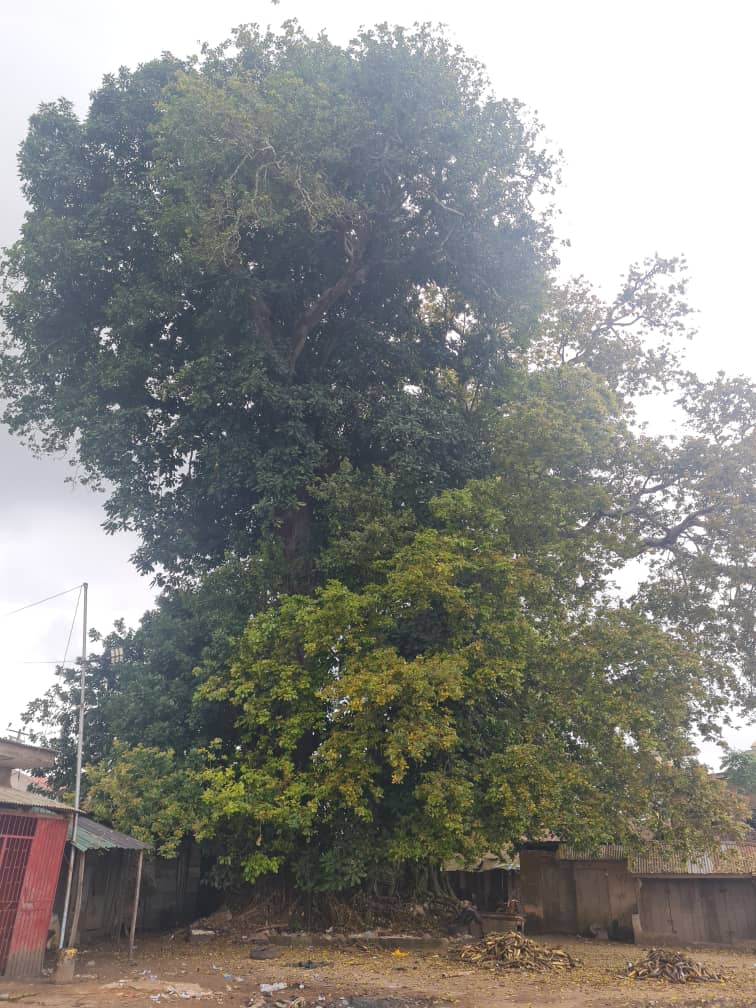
<point>223,971</point>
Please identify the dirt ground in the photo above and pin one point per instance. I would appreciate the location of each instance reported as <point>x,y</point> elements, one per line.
<point>221,971</point>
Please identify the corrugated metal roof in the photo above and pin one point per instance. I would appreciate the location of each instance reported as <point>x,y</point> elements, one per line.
<point>91,835</point>
<point>729,859</point>
<point>27,799</point>
<point>604,852</point>
<point>503,861</point>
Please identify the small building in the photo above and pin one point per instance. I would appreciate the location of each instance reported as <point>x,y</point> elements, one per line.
<point>43,858</point>
<point>653,897</point>
<point>108,863</point>
<point>490,883</point>
<point>109,860</point>
<point>708,900</point>
<point>32,838</point>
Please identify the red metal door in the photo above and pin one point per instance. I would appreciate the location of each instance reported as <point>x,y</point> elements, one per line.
<point>27,947</point>
<point>16,838</point>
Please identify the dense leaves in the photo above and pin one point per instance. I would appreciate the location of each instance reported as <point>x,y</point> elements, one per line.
<point>739,769</point>
<point>235,273</point>
<point>140,688</point>
<point>471,693</point>
<point>148,792</point>
<point>431,585</point>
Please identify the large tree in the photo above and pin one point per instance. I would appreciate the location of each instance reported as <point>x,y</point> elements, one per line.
<point>294,308</point>
<point>236,272</point>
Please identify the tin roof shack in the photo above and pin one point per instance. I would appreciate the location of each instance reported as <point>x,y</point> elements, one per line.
<point>709,900</point>
<point>32,837</point>
<point>656,897</point>
<point>168,889</point>
<point>108,879</point>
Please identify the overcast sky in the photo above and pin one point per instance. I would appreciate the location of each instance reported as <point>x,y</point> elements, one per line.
<point>650,102</point>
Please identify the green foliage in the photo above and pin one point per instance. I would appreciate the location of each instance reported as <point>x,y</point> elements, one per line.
<point>53,719</point>
<point>255,259</point>
<point>431,587</point>
<point>146,697</point>
<point>459,701</point>
<point>739,768</point>
<point>146,792</point>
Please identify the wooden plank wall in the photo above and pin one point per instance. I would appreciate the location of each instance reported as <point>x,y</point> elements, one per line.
<point>170,891</point>
<point>573,897</point>
<point>705,910</point>
<point>547,888</point>
<point>606,898</point>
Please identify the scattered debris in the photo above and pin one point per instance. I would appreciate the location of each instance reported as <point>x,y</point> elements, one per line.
<point>264,952</point>
<point>309,964</point>
<point>296,1002</point>
<point>661,964</point>
<point>188,990</point>
<point>272,987</point>
<point>467,920</point>
<point>158,987</point>
<point>514,951</point>
<point>201,935</point>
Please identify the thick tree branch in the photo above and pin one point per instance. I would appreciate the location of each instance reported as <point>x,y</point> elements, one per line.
<point>354,275</point>
<point>672,535</point>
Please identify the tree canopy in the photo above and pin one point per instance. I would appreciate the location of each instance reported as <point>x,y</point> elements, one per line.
<point>430,586</point>
<point>255,260</point>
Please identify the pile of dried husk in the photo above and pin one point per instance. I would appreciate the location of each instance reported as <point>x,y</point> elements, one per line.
<point>514,951</point>
<point>661,964</point>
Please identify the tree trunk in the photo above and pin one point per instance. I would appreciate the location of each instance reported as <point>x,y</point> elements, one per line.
<point>295,532</point>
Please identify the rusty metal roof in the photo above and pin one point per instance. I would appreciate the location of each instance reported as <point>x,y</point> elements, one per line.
<point>730,858</point>
<point>27,799</point>
<point>737,858</point>
<point>604,852</point>
<point>91,835</point>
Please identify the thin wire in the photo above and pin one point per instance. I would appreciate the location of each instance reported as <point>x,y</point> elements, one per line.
<point>73,622</point>
<point>40,601</point>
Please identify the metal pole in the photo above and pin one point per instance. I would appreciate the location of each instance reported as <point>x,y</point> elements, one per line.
<point>79,893</point>
<point>79,760</point>
<point>135,909</point>
<point>80,744</point>
<point>67,900</point>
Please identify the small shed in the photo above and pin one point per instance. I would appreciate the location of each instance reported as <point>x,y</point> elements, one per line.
<point>656,897</point>
<point>32,838</point>
<point>108,876</point>
<point>109,862</point>
<point>705,900</point>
